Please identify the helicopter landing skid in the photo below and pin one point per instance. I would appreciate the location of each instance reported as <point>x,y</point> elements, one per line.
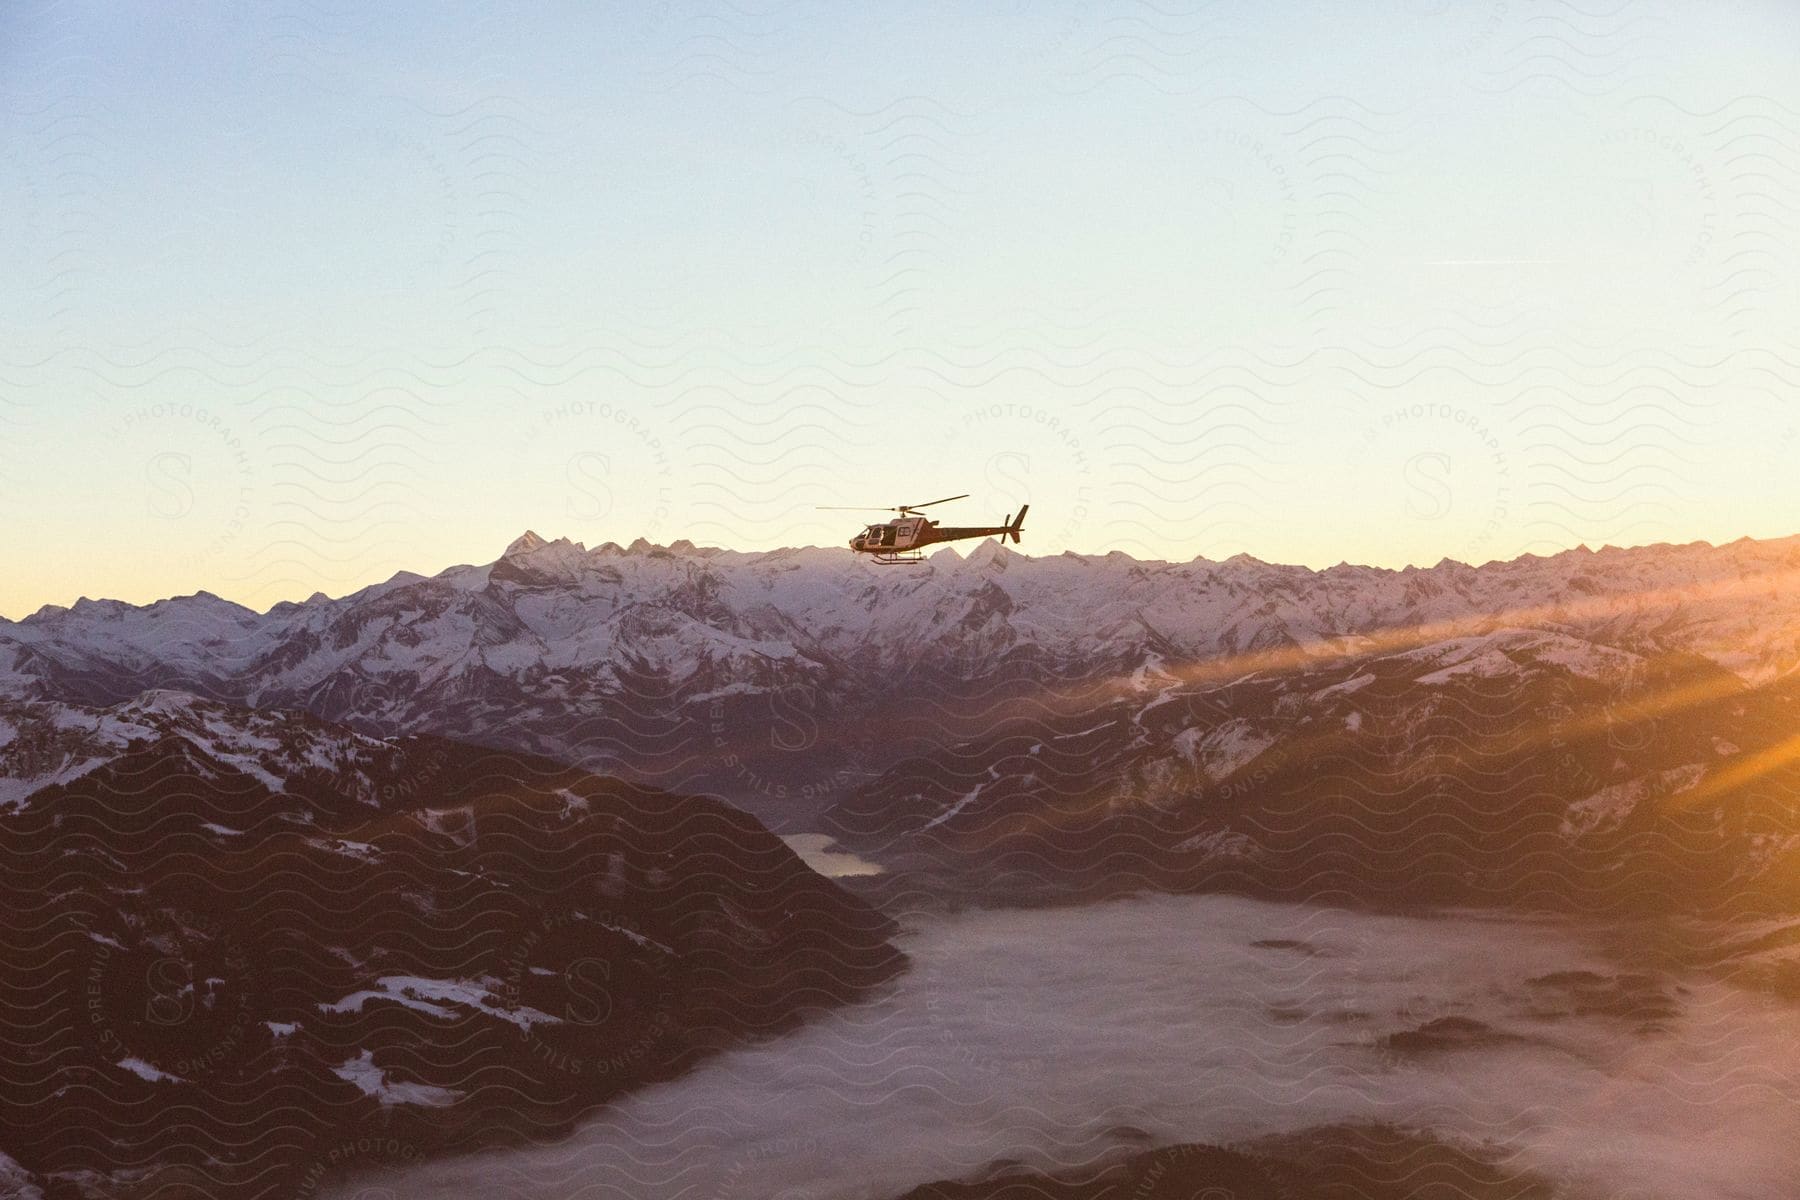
<point>900,558</point>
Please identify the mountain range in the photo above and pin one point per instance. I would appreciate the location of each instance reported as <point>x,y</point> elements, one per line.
<point>782,680</point>
<point>1002,698</point>
<point>369,851</point>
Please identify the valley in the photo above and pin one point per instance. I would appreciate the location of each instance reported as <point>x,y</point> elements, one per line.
<point>689,872</point>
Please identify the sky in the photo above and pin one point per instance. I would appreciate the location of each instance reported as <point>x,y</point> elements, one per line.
<point>296,295</point>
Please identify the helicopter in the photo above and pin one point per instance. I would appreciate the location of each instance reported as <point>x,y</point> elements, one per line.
<point>903,539</point>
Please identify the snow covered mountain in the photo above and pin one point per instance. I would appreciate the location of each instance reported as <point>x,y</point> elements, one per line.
<point>1518,767</point>
<point>47,742</point>
<point>782,680</point>
<point>237,938</point>
<point>330,827</point>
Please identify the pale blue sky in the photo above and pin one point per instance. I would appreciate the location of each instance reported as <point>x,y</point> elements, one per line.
<point>299,294</point>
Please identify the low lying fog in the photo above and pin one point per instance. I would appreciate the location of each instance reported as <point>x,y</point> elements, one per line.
<point>1050,1037</point>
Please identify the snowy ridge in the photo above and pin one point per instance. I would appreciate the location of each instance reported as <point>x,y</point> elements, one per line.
<point>45,742</point>
<point>674,663</point>
<point>1521,766</point>
<point>556,605</point>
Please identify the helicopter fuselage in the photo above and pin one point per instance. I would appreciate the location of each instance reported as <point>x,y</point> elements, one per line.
<point>899,540</point>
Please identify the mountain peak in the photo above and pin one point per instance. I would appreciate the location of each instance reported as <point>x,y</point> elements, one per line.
<point>990,553</point>
<point>525,543</point>
<point>535,562</point>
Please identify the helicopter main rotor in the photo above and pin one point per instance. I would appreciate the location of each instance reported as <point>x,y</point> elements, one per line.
<point>902,509</point>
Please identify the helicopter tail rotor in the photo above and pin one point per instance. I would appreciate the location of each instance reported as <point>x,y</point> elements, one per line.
<point>1016,525</point>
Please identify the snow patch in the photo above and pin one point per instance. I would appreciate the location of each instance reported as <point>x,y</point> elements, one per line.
<point>1221,752</point>
<point>361,851</point>
<point>1610,807</point>
<point>144,1070</point>
<point>373,1081</point>
<point>442,998</point>
<point>1606,809</point>
<point>1487,665</point>
<point>1348,687</point>
<point>953,809</point>
<point>16,1182</point>
<point>1220,843</point>
<point>637,938</point>
<point>457,824</point>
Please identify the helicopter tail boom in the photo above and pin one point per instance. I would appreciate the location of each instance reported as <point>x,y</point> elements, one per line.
<point>1017,524</point>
